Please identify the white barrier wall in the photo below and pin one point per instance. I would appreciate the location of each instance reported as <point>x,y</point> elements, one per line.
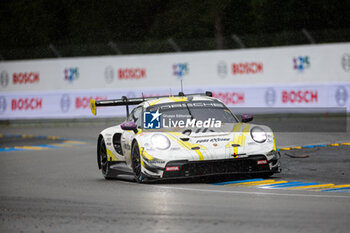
<point>294,76</point>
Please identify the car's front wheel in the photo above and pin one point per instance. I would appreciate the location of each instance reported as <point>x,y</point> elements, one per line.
<point>136,163</point>
<point>103,160</point>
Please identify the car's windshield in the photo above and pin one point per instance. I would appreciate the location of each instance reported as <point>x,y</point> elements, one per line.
<point>200,114</point>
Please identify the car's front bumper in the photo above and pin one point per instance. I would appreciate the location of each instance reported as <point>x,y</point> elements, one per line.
<point>186,169</point>
<point>220,167</point>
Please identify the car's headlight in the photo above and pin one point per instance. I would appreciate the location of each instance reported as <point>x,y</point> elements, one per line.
<point>160,142</point>
<point>258,134</point>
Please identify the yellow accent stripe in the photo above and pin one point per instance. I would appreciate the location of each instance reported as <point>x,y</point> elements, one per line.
<point>237,127</point>
<point>236,140</point>
<point>345,143</point>
<point>314,186</point>
<point>142,163</point>
<point>178,99</point>
<point>154,102</point>
<point>246,129</point>
<point>188,145</point>
<point>146,155</point>
<point>200,154</point>
<point>274,142</point>
<point>111,155</point>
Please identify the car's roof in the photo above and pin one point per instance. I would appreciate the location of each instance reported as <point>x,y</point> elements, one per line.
<point>173,99</point>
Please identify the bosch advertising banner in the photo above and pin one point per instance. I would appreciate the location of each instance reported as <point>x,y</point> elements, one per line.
<point>76,104</point>
<point>293,76</point>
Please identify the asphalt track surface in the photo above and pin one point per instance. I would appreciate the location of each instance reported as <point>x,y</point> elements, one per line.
<point>61,190</point>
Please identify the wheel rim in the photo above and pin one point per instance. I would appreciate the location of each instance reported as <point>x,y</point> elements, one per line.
<point>103,158</point>
<point>136,160</point>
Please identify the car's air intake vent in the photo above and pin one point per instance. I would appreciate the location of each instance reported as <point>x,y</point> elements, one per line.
<point>116,143</point>
<point>185,139</point>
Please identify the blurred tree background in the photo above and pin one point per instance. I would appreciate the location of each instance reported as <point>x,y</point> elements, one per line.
<point>135,25</point>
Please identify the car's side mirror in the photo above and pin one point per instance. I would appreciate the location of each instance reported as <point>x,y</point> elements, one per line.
<point>129,125</point>
<point>246,118</point>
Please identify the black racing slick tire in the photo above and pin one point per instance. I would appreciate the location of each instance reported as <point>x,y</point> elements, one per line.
<point>103,160</point>
<point>136,163</point>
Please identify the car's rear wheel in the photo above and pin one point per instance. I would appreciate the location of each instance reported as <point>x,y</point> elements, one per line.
<point>136,163</point>
<point>103,160</point>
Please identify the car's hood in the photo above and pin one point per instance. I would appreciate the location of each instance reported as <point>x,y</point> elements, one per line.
<point>215,145</point>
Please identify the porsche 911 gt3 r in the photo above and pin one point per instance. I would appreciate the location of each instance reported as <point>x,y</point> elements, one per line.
<point>183,136</point>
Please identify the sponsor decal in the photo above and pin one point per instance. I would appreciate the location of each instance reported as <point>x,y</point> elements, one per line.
<point>190,104</point>
<point>301,63</point>
<point>84,102</point>
<point>270,96</point>
<point>211,122</point>
<point>222,69</point>
<point>230,97</point>
<point>4,79</point>
<point>71,74</point>
<point>26,104</point>
<point>300,96</point>
<point>213,140</point>
<point>131,73</point>
<point>171,169</point>
<point>180,70</point>
<point>65,103</point>
<point>25,78</point>
<point>247,68</point>
<point>3,104</point>
<point>341,96</point>
<point>261,162</point>
<point>151,120</point>
<point>345,61</point>
<point>109,74</point>
<point>154,120</point>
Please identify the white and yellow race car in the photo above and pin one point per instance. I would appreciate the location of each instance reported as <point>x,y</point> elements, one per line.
<point>183,136</point>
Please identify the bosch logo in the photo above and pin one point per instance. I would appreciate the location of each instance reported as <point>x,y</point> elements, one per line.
<point>25,78</point>
<point>84,102</point>
<point>4,79</point>
<point>230,97</point>
<point>270,96</point>
<point>3,104</point>
<point>109,74</point>
<point>341,96</point>
<point>222,69</point>
<point>26,104</point>
<point>247,68</point>
<point>300,96</point>
<point>65,103</point>
<point>132,73</point>
<point>345,61</point>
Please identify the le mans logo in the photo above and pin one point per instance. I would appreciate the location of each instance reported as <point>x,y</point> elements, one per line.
<point>152,120</point>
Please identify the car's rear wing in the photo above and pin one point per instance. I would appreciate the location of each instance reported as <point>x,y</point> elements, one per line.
<point>124,101</point>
